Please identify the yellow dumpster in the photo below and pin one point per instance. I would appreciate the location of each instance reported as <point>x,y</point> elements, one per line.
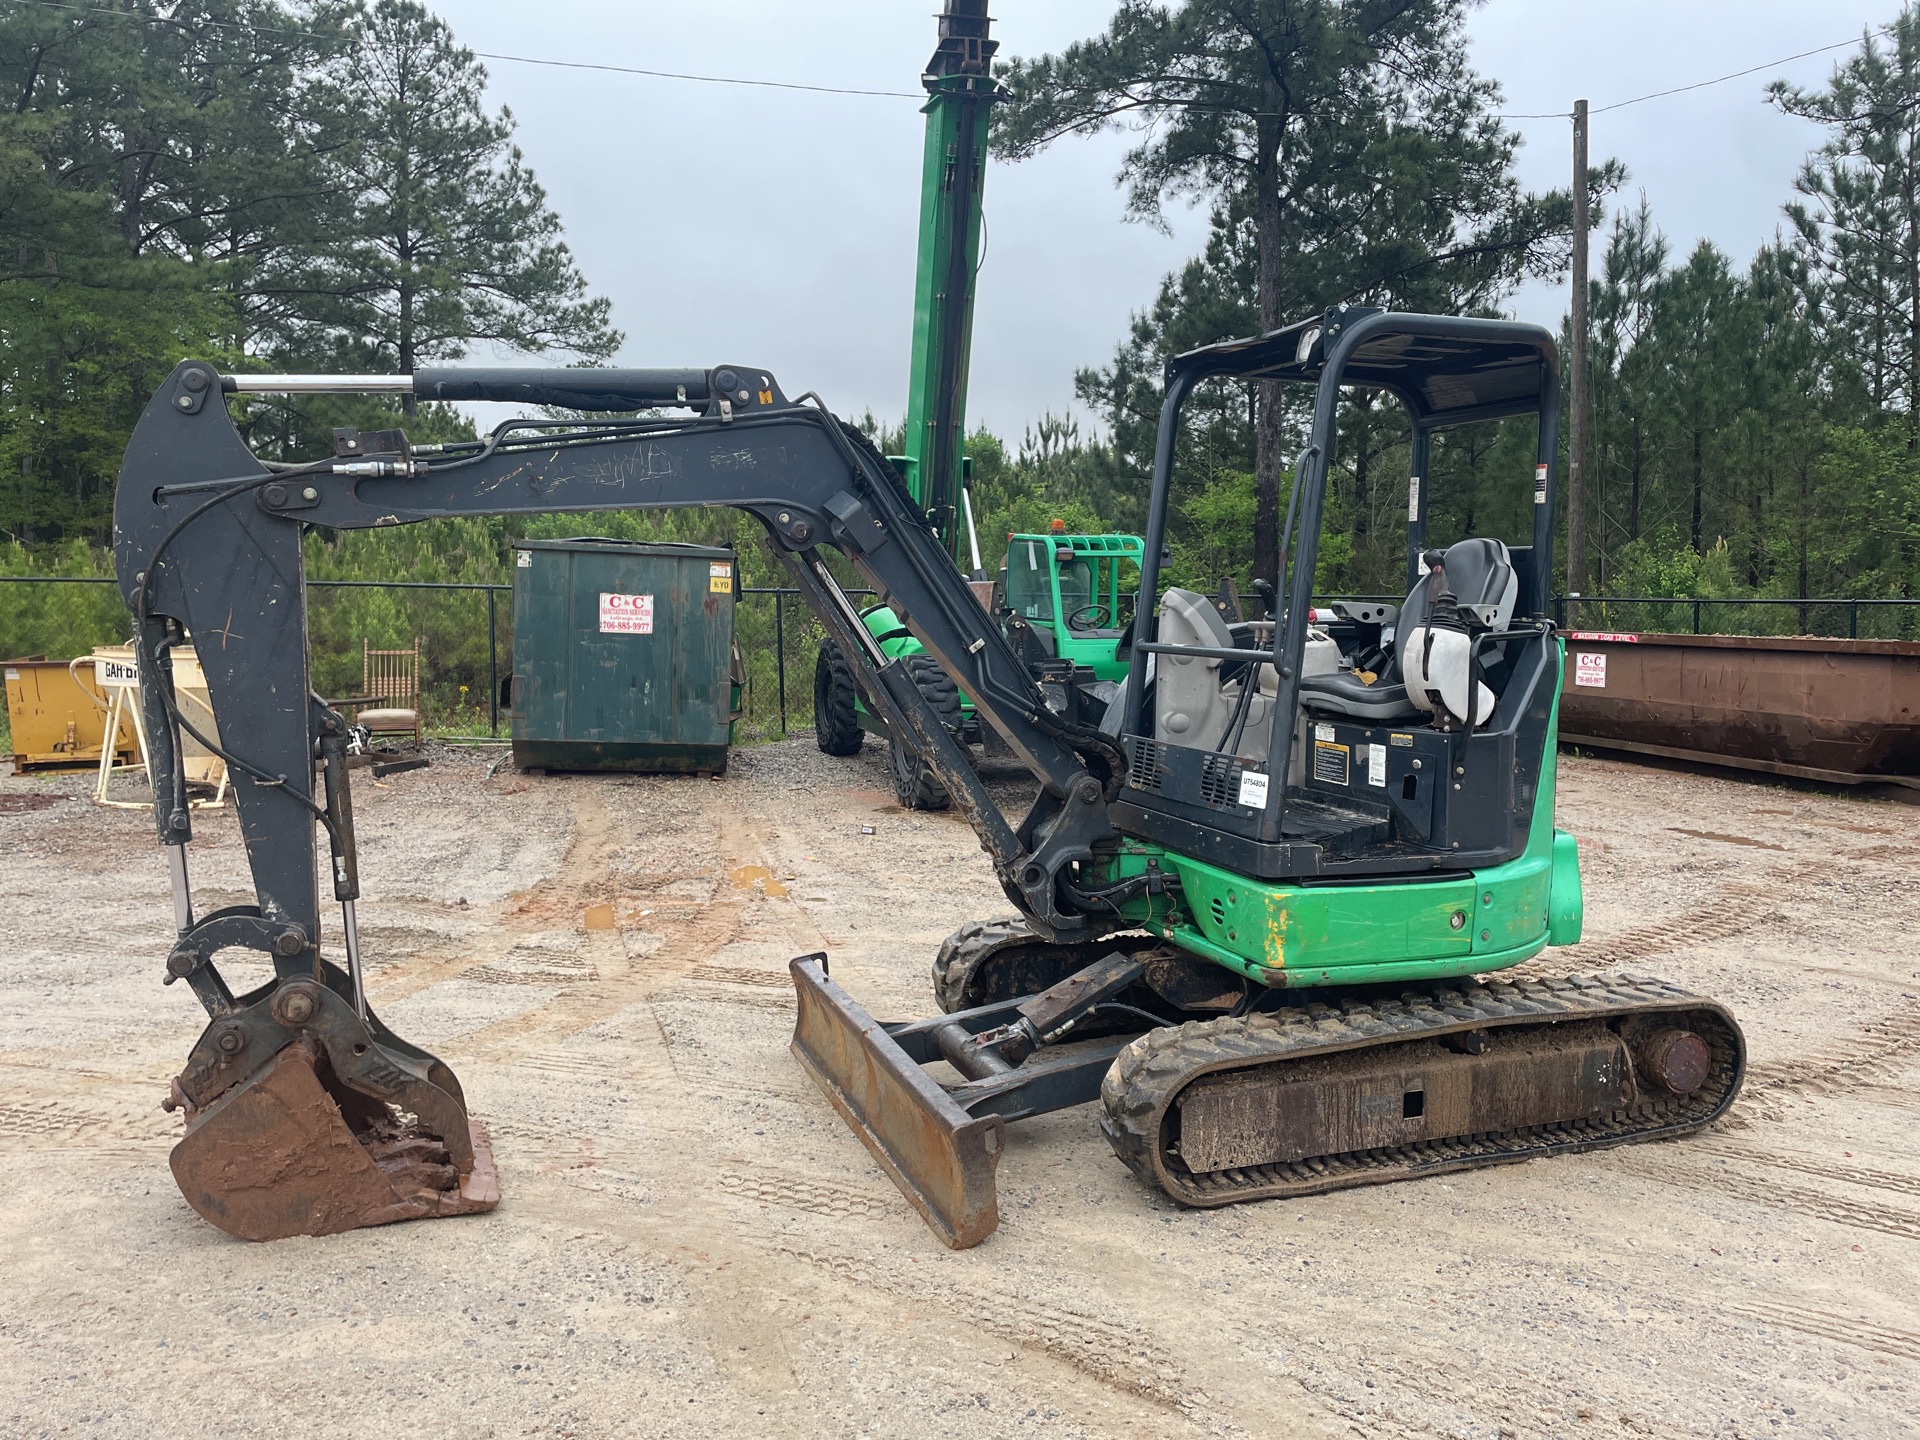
<point>58,715</point>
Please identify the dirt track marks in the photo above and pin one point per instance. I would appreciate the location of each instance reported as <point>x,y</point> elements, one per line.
<point>1110,1351</point>
<point>1813,1165</point>
<point>1875,1050</point>
<point>1736,909</point>
<point>1827,1326</point>
<point>1765,1190</point>
<point>769,1186</point>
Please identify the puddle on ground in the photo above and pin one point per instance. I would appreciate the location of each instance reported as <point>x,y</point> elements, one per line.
<point>1726,839</point>
<point>599,917</point>
<point>757,877</point>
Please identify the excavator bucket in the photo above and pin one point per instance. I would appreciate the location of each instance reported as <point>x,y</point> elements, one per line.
<point>942,1158</point>
<point>290,1151</point>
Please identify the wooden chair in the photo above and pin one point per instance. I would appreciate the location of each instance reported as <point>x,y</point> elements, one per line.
<point>390,691</point>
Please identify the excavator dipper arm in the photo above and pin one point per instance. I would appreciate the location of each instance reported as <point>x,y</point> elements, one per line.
<point>208,544</point>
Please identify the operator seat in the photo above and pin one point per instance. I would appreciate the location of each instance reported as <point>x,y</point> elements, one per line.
<point>1193,705</point>
<point>1479,575</point>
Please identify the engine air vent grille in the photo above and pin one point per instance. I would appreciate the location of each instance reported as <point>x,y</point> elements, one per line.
<point>1220,781</point>
<point>1144,771</point>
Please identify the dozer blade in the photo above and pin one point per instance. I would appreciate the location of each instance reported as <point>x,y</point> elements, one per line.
<point>282,1153</point>
<point>942,1158</point>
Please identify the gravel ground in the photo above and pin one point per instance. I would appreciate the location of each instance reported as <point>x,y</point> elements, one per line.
<point>692,1244</point>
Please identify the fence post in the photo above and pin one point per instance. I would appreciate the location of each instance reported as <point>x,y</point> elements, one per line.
<point>1853,619</point>
<point>780,655</point>
<point>1696,617</point>
<point>493,667</point>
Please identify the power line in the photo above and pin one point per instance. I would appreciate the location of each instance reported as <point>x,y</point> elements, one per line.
<point>1702,84</point>
<point>488,54</point>
<point>706,79</point>
<point>885,94</point>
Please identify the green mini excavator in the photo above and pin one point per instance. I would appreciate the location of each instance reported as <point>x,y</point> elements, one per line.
<point>1251,892</point>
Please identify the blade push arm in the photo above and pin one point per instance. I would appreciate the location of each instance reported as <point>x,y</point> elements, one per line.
<point>207,541</point>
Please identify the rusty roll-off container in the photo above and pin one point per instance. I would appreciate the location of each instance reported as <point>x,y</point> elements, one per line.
<point>622,656</point>
<point>1841,711</point>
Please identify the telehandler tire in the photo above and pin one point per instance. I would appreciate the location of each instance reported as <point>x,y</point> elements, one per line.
<point>836,723</point>
<point>914,783</point>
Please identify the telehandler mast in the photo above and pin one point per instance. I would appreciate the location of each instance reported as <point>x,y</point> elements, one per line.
<point>961,91</point>
<point>1250,890</point>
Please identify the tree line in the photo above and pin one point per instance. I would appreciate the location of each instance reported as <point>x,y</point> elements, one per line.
<point>320,184</point>
<point>308,184</point>
<point>1753,426</point>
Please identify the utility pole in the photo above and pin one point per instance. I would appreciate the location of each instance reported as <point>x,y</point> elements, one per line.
<point>1577,369</point>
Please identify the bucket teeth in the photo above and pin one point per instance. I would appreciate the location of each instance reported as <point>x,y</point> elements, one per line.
<point>287,1151</point>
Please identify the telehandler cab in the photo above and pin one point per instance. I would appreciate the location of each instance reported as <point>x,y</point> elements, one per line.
<point>1251,889</point>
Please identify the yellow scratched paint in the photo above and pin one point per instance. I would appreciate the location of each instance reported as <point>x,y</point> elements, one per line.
<point>1276,933</point>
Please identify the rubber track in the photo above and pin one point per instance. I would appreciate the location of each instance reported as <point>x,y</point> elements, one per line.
<point>978,941</point>
<point>1148,1076</point>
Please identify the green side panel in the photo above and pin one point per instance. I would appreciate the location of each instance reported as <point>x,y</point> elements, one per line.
<point>1293,935</point>
<point>621,655</point>
<point>1566,915</point>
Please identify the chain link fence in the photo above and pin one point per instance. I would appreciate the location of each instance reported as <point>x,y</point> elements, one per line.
<point>466,635</point>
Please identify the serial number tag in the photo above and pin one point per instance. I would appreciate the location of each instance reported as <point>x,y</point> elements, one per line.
<point>1253,789</point>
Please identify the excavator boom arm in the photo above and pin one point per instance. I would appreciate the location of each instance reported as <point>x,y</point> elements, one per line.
<point>208,541</point>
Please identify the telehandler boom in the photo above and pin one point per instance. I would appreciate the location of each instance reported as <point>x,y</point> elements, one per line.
<point>1249,891</point>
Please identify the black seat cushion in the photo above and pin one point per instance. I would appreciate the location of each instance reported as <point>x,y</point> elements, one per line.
<point>1342,693</point>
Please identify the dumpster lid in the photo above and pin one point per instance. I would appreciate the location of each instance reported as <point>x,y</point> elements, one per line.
<point>602,545</point>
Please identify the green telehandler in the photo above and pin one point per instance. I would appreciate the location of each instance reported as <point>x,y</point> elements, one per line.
<point>1066,599</point>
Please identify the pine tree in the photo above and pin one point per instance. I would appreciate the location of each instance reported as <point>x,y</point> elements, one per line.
<point>1347,147</point>
<point>1622,372</point>
<point>449,239</point>
<point>1859,222</point>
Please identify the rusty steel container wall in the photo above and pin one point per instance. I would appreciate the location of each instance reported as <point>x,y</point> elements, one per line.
<point>1842,710</point>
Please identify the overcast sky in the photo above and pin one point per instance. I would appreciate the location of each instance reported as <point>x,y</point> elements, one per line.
<point>775,228</point>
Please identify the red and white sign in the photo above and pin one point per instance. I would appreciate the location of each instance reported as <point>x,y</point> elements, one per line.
<point>1607,636</point>
<point>1590,668</point>
<point>626,614</point>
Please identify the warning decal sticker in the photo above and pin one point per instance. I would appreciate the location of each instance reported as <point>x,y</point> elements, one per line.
<point>720,577</point>
<point>1330,763</point>
<point>626,614</point>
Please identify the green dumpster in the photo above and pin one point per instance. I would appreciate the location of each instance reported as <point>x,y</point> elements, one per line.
<point>623,656</point>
